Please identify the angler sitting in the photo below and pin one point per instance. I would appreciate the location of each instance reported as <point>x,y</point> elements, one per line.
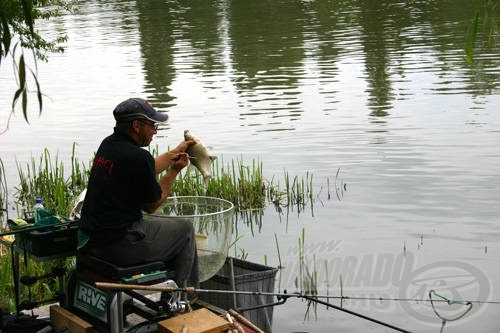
<point>123,183</point>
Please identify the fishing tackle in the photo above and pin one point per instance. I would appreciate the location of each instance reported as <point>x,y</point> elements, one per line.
<point>283,297</point>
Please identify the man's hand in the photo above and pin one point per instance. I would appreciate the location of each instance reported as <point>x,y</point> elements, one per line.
<point>168,159</point>
<point>180,161</point>
<point>183,146</point>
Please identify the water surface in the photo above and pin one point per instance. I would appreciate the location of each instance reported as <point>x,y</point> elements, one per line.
<point>371,97</point>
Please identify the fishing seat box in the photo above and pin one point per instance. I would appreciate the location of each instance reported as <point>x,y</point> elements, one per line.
<point>248,276</point>
<point>55,241</point>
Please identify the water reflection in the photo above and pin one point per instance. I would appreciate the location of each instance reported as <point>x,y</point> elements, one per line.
<point>376,35</point>
<point>267,54</point>
<point>157,29</point>
<point>269,49</point>
<point>376,88</point>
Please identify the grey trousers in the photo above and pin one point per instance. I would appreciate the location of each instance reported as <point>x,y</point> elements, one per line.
<point>154,238</point>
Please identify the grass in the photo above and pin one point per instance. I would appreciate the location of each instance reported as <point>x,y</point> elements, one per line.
<point>44,177</point>
<point>241,184</point>
<point>3,191</point>
<point>47,180</point>
<point>47,177</point>
<point>308,276</point>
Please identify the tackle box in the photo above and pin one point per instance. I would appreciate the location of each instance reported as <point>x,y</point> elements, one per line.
<point>55,241</point>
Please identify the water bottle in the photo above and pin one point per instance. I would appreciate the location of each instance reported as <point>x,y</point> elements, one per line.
<point>36,208</point>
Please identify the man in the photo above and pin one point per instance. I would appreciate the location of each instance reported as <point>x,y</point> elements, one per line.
<point>123,183</point>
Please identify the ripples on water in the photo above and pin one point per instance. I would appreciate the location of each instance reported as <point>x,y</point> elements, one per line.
<point>377,89</point>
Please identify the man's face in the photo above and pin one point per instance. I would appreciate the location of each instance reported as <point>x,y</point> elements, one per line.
<point>146,130</point>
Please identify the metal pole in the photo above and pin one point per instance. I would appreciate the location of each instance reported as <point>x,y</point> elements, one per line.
<point>232,281</point>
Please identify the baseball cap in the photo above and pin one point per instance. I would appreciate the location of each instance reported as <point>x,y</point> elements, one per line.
<point>138,108</point>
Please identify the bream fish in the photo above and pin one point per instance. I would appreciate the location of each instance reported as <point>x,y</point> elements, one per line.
<point>199,156</point>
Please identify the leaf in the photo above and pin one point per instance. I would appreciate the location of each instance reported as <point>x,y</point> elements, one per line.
<point>38,92</point>
<point>22,72</point>
<point>6,37</point>
<point>471,39</point>
<point>25,104</point>
<point>16,98</point>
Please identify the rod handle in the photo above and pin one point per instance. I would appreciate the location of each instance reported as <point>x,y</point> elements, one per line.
<point>122,286</point>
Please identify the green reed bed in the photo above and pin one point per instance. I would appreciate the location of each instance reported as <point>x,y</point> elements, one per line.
<point>43,177</point>
<point>297,192</point>
<point>46,179</point>
<point>241,184</point>
<point>245,186</point>
<point>59,184</point>
<point>6,294</point>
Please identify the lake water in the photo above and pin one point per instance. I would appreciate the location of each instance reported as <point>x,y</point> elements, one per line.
<point>372,98</point>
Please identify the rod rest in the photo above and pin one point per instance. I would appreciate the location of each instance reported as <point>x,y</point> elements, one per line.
<point>114,272</point>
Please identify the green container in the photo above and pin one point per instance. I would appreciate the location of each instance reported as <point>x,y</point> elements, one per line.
<point>48,243</point>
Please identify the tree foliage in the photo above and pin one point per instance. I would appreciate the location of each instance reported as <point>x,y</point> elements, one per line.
<point>485,15</point>
<point>18,35</point>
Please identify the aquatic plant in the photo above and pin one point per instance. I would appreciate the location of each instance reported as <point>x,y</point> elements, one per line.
<point>308,275</point>
<point>47,180</point>
<point>242,184</point>
<point>6,294</point>
<point>38,291</point>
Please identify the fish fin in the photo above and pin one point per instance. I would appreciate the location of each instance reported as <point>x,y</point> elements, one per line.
<point>212,158</point>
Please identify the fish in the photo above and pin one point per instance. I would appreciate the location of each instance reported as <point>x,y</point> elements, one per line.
<point>199,155</point>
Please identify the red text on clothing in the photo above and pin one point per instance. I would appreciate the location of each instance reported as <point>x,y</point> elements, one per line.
<point>104,163</point>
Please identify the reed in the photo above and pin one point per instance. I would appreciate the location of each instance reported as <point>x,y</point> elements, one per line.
<point>238,252</point>
<point>246,187</point>
<point>243,184</point>
<point>47,180</point>
<point>5,261</point>
<point>6,288</point>
<point>42,290</point>
<point>296,192</point>
<point>280,265</point>
<point>3,191</point>
<point>308,276</point>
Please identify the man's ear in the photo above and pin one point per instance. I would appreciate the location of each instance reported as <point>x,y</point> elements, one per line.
<point>135,126</point>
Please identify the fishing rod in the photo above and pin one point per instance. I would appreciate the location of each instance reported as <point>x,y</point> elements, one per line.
<point>310,298</point>
<point>397,299</point>
<point>190,290</point>
<point>283,296</point>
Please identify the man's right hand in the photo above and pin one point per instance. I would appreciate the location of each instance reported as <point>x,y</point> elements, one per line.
<point>180,161</point>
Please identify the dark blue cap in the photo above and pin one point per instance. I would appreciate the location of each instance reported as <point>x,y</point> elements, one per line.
<point>137,108</point>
